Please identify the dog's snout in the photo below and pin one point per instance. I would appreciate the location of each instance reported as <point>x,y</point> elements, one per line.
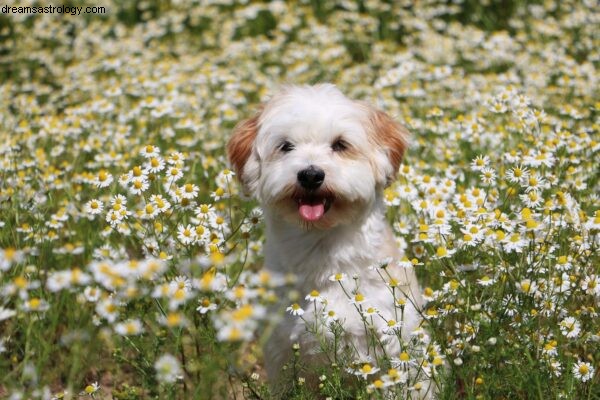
<point>311,178</point>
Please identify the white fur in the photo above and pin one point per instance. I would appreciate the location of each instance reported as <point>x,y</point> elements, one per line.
<point>348,240</point>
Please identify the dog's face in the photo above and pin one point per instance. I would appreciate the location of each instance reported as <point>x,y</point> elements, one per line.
<point>315,157</point>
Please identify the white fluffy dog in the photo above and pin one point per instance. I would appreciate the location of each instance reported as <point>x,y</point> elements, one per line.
<point>318,163</point>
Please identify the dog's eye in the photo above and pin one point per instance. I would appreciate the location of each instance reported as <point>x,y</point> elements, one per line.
<point>339,145</point>
<point>286,147</point>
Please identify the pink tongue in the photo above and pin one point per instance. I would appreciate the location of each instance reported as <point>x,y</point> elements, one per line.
<point>311,212</point>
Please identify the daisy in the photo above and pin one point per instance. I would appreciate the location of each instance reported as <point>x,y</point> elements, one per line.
<point>563,263</point>
<point>591,285</point>
<point>174,320</point>
<point>534,182</point>
<point>204,211</point>
<point>186,234</point>
<point>370,312</point>
<point>339,277</point>
<point>36,304</point>
<point>189,191</point>
<point>155,165</point>
<point>532,199</point>
<point>150,211</point>
<point>219,194</point>
<point>92,294</point>
<point>173,174</point>
<point>527,286</point>
<point>358,299</point>
<point>364,371</point>
<point>488,176</point>
<point>514,242</point>
<point>295,309</point>
<point>536,159</point>
<point>10,256</point>
<point>517,174</point>
<point>150,151</point>
<point>160,202</point>
<point>330,317</point>
<point>205,306</point>
<point>114,218</point>
<point>480,162</point>
<point>486,281</point>
<point>118,199</point>
<point>91,388</point>
<point>176,158</point>
<point>6,313</point>
<point>167,368</point>
<point>392,327</point>
<point>314,296</point>
<point>570,327</point>
<point>130,327</point>
<point>583,371</point>
<point>93,207</point>
<point>103,179</point>
<point>139,185</point>
<point>403,361</point>
<point>394,377</point>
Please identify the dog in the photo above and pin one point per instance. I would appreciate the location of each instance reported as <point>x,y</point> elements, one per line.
<point>318,162</point>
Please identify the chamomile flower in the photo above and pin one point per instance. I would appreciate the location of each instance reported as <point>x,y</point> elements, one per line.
<point>93,207</point>
<point>392,327</point>
<point>330,316</point>
<point>160,203</point>
<point>176,158</point>
<point>168,369</point>
<point>339,277</point>
<point>488,176</point>
<point>295,309</point>
<point>186,234</point>
<point>150,151</point>
<point>591,285</point>
<point>10,256</point>
<point>35,304</point>
<point>517,174</point>
<point>219,194</point>
<point>173,174</point>
<point>130,327</point>
<point>514,242</point>
<point>314,296</point>
<point>357,299</point>
<point>485,281</point>
<point>138,185</point>
<point>6,313</point>
<point>189,191</point>
<point>155,165</point>
<point>370,312</point>
<point>364,370</point>
<point>480,162</point>
<point>403,361</point>
<point>583,371</point>
<point>91,388</point>
<point>205,306</point>
<point>103,179</point>
<point>570,327</point>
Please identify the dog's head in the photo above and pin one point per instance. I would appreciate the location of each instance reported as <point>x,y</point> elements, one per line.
<point>315,157</point>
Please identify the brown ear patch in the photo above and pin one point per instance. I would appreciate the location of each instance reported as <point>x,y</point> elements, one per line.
<point>390,135</point>
<point>239,147</point>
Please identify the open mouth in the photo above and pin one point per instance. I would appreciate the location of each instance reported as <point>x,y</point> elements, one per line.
<point>312,206</point>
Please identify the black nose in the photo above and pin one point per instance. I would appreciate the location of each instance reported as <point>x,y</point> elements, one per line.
<point>311,178</point>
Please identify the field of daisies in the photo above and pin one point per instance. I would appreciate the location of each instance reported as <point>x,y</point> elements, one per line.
<point>130,262</point>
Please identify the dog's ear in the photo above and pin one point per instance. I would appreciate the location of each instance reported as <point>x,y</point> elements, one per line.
<point>240,151</point>
<point>392,138</point>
